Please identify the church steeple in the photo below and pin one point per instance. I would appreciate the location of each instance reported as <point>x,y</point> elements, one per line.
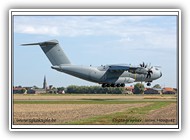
<point>45,83</point>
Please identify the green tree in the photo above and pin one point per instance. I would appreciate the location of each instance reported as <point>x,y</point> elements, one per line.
<point>71,89</point>
<point>61,88</point>
<point>94,89</point>
<point>24,91</point>
<point>35,87</point>
<point>139,88</point>
<point>157,86</point>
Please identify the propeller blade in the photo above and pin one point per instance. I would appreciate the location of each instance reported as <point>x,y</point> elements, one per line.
<point>146,65</point>
<point>149,72</point>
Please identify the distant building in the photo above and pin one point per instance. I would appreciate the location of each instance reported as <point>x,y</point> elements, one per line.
<point>50,86</point>
<point>45,83</point>
<point>168,90</point>
<point>61,92</point>
<point>54,90</point>
<point>152,91</point>
<point>129,90</point>
<point>28,88</point>
<point>36,91</point>
<point>17,90</point>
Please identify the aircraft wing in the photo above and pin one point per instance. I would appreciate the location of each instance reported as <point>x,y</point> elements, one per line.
<point>129,68</point>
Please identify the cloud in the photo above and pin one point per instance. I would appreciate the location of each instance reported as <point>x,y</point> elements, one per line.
<point>73,25</point>
<point>41,30</point>
<point>149,31</point>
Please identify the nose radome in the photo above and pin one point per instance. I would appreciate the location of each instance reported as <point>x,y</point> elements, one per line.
<point>160,74</point>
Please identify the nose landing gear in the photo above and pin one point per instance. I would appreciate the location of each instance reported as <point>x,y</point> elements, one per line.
<point>148,84</point>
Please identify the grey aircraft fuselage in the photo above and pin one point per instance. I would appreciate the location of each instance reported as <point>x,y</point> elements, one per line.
<point>101,75</point>
<point>108,75</point>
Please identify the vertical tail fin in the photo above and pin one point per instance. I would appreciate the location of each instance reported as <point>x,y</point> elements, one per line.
<point>53,51</point>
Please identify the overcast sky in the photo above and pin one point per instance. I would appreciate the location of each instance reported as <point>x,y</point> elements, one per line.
<point>94,40</point>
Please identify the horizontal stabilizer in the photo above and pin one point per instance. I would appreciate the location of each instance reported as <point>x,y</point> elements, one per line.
<point>50,42</point>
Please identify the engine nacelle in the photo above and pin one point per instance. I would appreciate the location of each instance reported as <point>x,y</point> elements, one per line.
<point>129,80</point>
<point>121,80</point>
<point>141,70</point>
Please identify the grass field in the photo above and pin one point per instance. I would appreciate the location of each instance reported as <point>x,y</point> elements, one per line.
<point>94,109</point>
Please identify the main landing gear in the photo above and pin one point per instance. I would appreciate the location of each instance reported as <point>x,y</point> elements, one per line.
<point>113,85</point>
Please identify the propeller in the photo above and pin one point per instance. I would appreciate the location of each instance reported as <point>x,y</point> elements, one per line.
<point>143,65</point>
<point>149,72</point>
<point>148,69</point>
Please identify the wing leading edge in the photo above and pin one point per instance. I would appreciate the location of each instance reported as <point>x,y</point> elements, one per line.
<point>129,68</point>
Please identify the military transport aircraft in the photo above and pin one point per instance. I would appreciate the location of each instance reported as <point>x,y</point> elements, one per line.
<point>116,75</point>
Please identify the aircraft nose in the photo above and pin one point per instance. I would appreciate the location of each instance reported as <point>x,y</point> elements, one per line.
<point>160,74</point>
